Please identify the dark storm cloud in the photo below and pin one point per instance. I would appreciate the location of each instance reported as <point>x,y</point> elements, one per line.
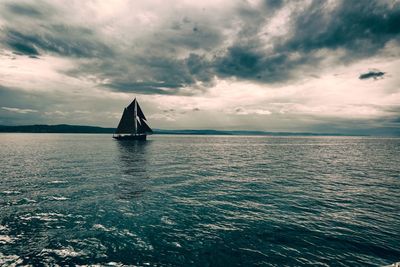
<point>240,61</point>
<point>25,10</point>
<point>191,51</point>
<point>39,28</point>
<point>22,48</point>
<point>360,29</point>
<point>248,64</point>
<point>160,88</point>
<point>190,35</point>
<point>149,74</point>
<point>57,39</point>
<point>372,74</point>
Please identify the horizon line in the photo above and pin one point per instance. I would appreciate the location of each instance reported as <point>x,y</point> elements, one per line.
<point>189,131</point>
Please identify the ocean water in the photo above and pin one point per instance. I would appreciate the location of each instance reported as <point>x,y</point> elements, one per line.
<point>199,201</point>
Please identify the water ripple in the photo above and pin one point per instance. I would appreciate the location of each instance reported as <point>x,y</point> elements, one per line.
<point>87,200</point>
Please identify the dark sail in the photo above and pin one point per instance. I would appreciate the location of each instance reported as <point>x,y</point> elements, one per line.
<point>133,121</point>
<point>126,124</point>
<point>132,106</point>
<point>143,127</point>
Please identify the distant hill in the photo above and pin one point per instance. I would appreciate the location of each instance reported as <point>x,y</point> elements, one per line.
<point>60,128</point>
<point>237,132</point>
<point>65,128</point>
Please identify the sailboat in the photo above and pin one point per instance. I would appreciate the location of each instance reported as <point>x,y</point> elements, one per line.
<point>133,125</point>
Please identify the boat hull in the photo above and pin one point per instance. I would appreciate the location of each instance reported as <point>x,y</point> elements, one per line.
<point>141,137</point>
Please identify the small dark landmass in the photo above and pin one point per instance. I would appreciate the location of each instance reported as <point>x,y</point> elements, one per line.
<point>60,128</point>
<point>65,128</point>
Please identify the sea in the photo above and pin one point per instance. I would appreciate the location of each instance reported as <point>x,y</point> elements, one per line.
<point>176,200</point>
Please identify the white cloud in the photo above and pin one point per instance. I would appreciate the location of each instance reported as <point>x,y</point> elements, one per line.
<point>19,110</point>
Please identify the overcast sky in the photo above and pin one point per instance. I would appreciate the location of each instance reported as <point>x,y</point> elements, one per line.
<point>320,66</point>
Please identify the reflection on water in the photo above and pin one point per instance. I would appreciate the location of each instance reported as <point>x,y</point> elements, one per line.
<point>132,164</point>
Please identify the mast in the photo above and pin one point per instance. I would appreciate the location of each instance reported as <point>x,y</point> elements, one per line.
<point>135,116</point>
<point>133,121</point>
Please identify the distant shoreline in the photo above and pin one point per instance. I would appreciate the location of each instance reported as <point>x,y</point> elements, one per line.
<point>66,128</point>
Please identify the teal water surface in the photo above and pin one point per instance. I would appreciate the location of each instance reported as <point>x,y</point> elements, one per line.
<point>75,199</point>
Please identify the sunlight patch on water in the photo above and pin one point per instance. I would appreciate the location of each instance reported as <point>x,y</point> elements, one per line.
<point>10,260</point>
<point>103,228</point>
<point>57,198</point>
<point>176,244</point>
<point>108,264</point>
<point>167,220</point>
<point>5,239</point>
<point>46,217</point>
<point>57,182</point>
<point>63,253</point>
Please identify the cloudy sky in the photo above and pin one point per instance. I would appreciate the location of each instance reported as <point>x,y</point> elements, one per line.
<point>320,66</point>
